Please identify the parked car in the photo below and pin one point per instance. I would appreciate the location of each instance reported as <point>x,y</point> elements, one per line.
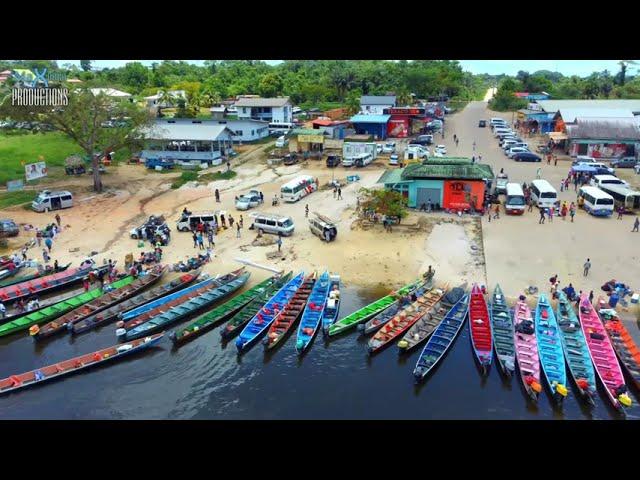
<point>637,168</point>
<point>509,146</point>
<point>379,148</point>
<point>8,228</point>
<point>624,162</point>
<point>333,161</point>
<point>423,140</point>
<point>394,159</point>
<point>290,159</point>
<point>482,123</point>
<point>441,149</point>
<point>526,157</point>
<point>389,147</point>
<point>248,200</point>
<point>516,150</point>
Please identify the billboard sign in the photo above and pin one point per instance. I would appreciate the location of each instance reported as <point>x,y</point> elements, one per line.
<point>463,195</point>
<point>310,138</point>
<point>15,185</point>
<point>33,171</point>
<point>398,128</point>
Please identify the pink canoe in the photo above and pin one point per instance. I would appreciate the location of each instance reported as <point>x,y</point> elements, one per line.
<point>524,336</point>
<point>602,354</point>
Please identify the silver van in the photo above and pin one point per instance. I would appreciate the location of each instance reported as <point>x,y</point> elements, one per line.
<point>47,200</point>
<point>272,223</point>
<point>323,227</point>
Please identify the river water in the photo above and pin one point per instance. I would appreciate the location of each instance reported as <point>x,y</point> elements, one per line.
<point>205,379</point>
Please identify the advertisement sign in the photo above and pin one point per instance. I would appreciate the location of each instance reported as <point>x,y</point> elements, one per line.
<point>33,171</point>
<point>15,185</point>
<point>606,150</point>
<point>310,138</point>
<point>463,194</point>
<point>398,128</point>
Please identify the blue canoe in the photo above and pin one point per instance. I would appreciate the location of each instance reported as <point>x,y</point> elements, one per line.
<point>550,349</point>
<point>161,301</point>
<point>442,338</point>
<point>313,312</point>
<point>332,307</point>
<point>576,350</point>
<point>196,304</point>
<point>261,321</point>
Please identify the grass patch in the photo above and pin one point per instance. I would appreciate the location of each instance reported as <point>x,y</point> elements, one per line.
<point>211,177</point>
<point>187,176</point>
<point>54,147</point>
<point>8,199</point>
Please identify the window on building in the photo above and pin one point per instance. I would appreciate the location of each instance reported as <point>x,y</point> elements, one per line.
<point>253,132</point>
<point>244,109</point>
<point>239,132</point>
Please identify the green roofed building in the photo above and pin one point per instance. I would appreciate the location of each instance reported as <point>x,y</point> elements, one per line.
<point>452,183</point>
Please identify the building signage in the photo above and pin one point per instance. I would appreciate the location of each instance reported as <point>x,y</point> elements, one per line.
<point>310,139</point>
<point>33,171</point>
<point>462,194</point>
<point>534,106</point>
<point>404,111</point>
<point>398,128</point>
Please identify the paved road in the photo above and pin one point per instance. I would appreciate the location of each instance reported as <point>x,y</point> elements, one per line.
<point>519,251</point>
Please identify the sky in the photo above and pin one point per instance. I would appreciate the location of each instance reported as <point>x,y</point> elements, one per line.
<point>494,67</point>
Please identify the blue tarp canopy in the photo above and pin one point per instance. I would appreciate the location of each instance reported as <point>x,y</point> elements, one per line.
<point>584,168</point>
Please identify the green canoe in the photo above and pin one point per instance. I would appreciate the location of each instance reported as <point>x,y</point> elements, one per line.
<point>207,321</point>
<point>239,320</point>
<point>370,310</point>
<point>49,313</point>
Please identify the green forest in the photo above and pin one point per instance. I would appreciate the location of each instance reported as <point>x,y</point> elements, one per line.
<point>309,83</point>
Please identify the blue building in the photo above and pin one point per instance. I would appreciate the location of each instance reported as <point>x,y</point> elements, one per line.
<point>375,125</point>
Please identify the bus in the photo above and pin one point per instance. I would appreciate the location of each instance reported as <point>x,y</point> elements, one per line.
<point>515,199</point>
<point>595,201</point>
<point>623,196</point>
<point>543,194</point>
<point>298,187</point>
<point>281,128</point>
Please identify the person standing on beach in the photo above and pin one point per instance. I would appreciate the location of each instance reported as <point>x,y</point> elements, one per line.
<point>223,222</point>
<point>497,210</point>
<point>49,243</point>
<point>200,241</point>
<point>217,194</point>
<point>231,221</point>
<point>339,193</point>
<point>279,242</point>
<point>551,214</point>
<point>210,238</point>
<point>572,211</point>
<point>238,230</point>
<point>306,210</point>
<point>555,160</point>
<point>587,266</point>
<point>57,217</point>
<point>620,212</point>
<point>241,222</point>
<point>541,216</point>
<point>195,239</point>
<point>563,211</point>
<point>636,225</point>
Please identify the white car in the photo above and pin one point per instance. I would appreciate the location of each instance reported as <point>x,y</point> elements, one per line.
<point>438,153</point>
<point>440,149</point>
<point>512,151</point>
<point>637,168</point>
<point>389,147</point>
<point>379,148</point>
<point>394,159</point>
<point>250,200</point>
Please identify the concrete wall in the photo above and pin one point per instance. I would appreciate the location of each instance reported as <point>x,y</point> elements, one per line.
<point>413,190</point>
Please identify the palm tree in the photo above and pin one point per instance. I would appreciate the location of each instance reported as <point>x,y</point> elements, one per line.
<point>624,64</point>
<point>164,98</point>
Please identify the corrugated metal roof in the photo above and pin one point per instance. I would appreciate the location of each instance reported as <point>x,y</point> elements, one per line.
<point>110,92</point>
<point>186,131</point>
<point>370,118</point>
<point>569,115</point>
<point>448,161</point>
<point>555,105</point>
<point>391,176</point>
<point>604,129</point>
<point>378,100</point>
<point>307,131</point>
<point>262,102</point>
<point>455,172</point>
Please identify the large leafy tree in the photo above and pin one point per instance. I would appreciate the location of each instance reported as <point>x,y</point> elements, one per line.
<point>384,202</point>
<point>85,65</point>
<point>83,120</point>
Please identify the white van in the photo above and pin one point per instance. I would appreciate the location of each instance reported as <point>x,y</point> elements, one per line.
<point>502,132</point>
<point>191,221</point>
<point>359,160</point>
<point>282,142</point>
<point>47,200</point>
<point>543,194</point>
<point>515,203</point>
<point>298,187</point>
<point>599,180</point>
<point>271,223</point>
<point>595,201</point>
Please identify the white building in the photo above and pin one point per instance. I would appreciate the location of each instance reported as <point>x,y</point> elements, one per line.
<point>110,92</point>
<point>272,110</point>
<point>375,105</point>
<point>153,101</point>
<point>187,140</point>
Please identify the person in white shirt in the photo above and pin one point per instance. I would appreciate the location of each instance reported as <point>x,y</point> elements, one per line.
<point>3,310</point>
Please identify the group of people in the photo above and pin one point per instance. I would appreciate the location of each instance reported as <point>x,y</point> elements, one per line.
<point>569,290</point>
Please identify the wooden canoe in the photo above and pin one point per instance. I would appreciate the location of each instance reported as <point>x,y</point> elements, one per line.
<point>31,276</point>
<point>502,326</point>
<point>550,349</point>
<point>480,329</point>
<point>404,320</point>
<point>283,324</point>
<point>111,314</point>
<point>109,299</point>
<point>524,339</point>
<point>68,367</point>
<point>623,343</point>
